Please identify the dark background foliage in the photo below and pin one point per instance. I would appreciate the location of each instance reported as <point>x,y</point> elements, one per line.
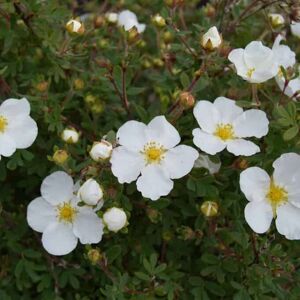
<point>170,250</point>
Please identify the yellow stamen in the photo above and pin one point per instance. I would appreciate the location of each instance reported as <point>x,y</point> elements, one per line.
<point>66,212</point>
<point>250,72</point>
<point>3,124</point>
<point>276,195</point>
<point>153,152</point>
<point>224,132</point>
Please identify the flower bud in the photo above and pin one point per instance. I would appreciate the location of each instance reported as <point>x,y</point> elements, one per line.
<point>158,62</point>
<point>276,20</point>
<point>90,192</point>
<point>94,255</point>
<point>98,21</point>
<point>101,150</point>
<point>70,136</point>
<point>111,18</point>
<point>168,37</point>
<point>60,156</point>
<point>42,86</point>
<point>158,21</point>
<point>209,11</point>
<point>78,84</point>
<point>211,39</point>
<point>74,26</point>
<point>133,35</point>
<point>209,208</point>
<point>115,219</point>
<point>186,99</point>
<point>90,99</point>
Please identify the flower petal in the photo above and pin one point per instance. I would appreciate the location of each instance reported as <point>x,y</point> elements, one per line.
<point>259,216</point>
<point>287,174</point>
<point>242,147</point>
<point>7,145</point>
<point>207,142</point>
<point>14,108</point>
<point>236,56</point>
<point>132,135</point>
<point>59,239</point>
<point>126,165</point>
<point>154,182</point>
<point>206,115</point>
<point>87,226</point>
<point>228,110</point>
<point>179,161</point>
<point>40,214</point>
<point>288,221</point>
<point>57,188</point>
<point>23,131</point>
<point>255,183</point>
<point>161,131</point>
<point>253,122</point>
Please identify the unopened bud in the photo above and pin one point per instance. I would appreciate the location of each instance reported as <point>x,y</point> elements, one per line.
<point>186,99</point>
<point>276,20</point>
<point>95,256</point>
<point>42,86</point>
<point>74,26</point>
<point>209,11</point>
<point>133,35</point>
<point>209,208</point>
<point>60,156</point>
<point>101,150</point>
<point>70,136</point>
<point>211,40</point>
<point>158,21</point>
<point>111,18</point>
<point>78,84</point>
<point>168,37</point>
<point>98,21</point>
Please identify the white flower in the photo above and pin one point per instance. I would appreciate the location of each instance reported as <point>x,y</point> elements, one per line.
<point>74,26</point>
<point>295,28</point>
<point>101,150</point>
<point>111,17</point>
<point>115,219</point>
<point>211,39</point>
<point>128,19</point>
<point>277,196</point>
<point>57,215</point>
<point>223,124</point>
<point>283,54</point>
<point>276,19</point>
<point>256,63</point>
<point>151,151</point>
<point>203,161</point>
<point>70,135</point>
<point>17,129</point>
<point>90,192</point>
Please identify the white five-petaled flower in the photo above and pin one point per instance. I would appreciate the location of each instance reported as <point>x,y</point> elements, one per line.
<point>295,28</point>
<point>277,196</point>
<point>57,215</point>
<point>211,39</point>
<point>223,124</point>
<point>256,63</point>
<point>17,129</point>
<point>152,152</point>
<point>115,219</point>
<point>128,20</point>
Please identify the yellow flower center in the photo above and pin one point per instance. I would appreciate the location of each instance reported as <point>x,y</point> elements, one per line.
<point>250,72</point>
<point>276,195</point>
<point>66,212</point>
<point>153,152</point>
<point>3,124</point>
<point>224,132</point>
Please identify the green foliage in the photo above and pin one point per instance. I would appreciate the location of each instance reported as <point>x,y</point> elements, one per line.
<point>170,250</point>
